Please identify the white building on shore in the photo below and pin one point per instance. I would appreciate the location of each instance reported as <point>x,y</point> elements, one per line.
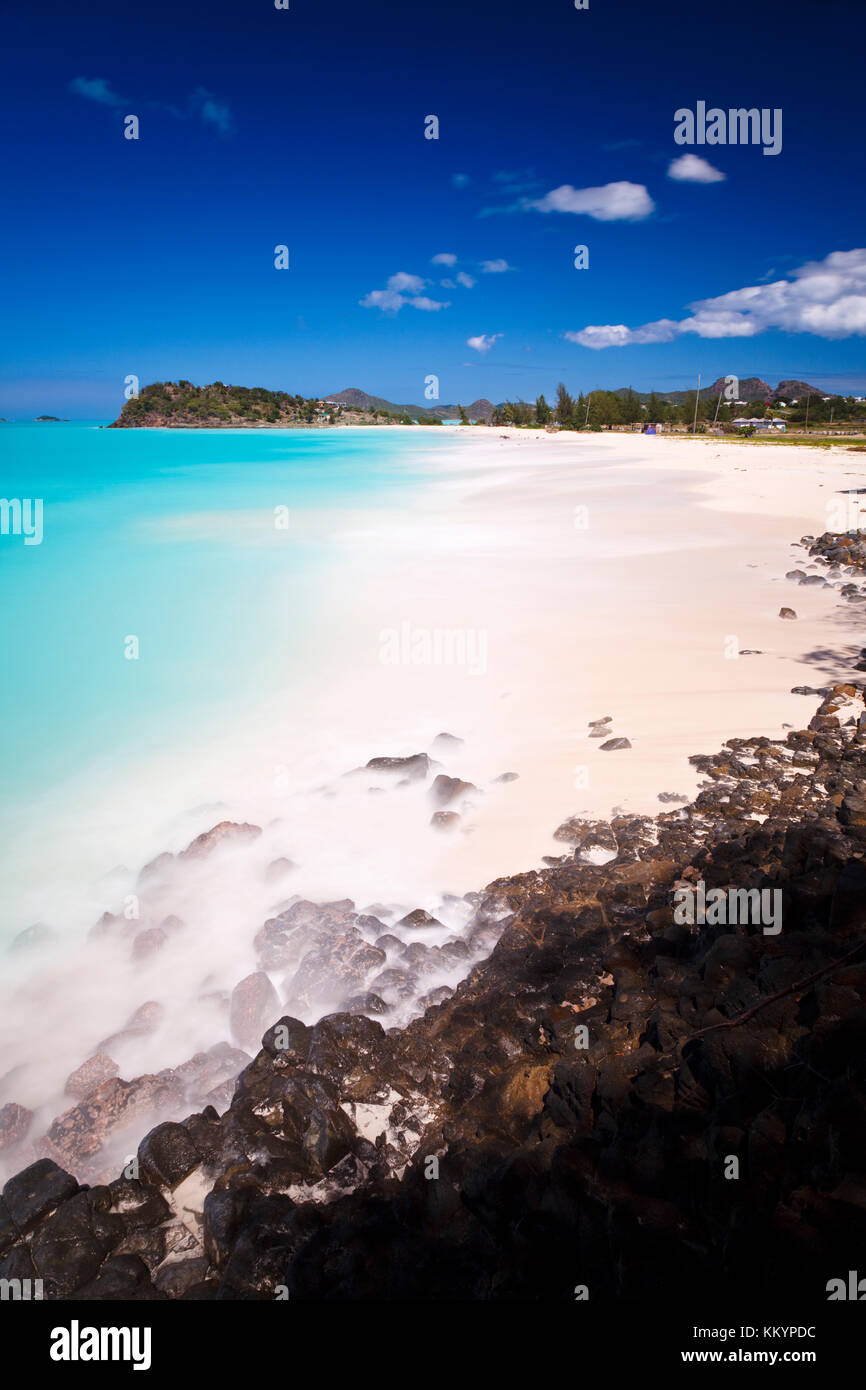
<point>759,423</point>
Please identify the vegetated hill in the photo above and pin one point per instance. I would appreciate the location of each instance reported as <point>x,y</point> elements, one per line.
<point>751,388</point>
<point>797,390</point>
<point>356,399</point>
<point>181,403</point>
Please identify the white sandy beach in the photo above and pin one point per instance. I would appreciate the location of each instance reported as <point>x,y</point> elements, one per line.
<point>565,578</point>
<point>633,608</point>
<point>597,575</point>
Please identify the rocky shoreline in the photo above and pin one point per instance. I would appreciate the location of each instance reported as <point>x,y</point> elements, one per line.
<point>568,1116</point>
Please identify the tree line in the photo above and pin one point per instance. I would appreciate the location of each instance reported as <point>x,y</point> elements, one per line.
<point>597,410</point>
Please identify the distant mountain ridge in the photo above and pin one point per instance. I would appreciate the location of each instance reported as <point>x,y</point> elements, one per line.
<point>750,388</point>
<point>356,399</point>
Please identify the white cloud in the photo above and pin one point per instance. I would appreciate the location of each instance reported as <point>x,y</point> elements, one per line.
<point>464,279</point>
<point>402,289</point>
<point>826,298</point>
<point>690,168</point>
<point>95,89</point>
<point>444,258</point>
<point>211,111</point>
<point>483,343</point>
<point>612,202</point>
<point>431,305</point>
<point>403,281</point>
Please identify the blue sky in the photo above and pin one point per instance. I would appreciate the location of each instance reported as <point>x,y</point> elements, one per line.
<point>305,127</point>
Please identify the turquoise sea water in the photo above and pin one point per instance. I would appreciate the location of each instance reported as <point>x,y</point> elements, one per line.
<point>169,537</point>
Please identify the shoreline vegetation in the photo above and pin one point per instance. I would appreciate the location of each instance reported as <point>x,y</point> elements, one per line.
<point>805,410</point>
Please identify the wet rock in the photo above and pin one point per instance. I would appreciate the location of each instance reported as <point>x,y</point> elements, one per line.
<point>148,943</point>
<point>507,777</point>
<point>226,833</point>
<point>787,613</point>
<point>414,768</point>
<point>206,1070</point>
<point>288,1041</point>
<point>35,1192</point>
<point>343,962</point>
<point>69,1247</point>
<point>447,743</point>
<point>15,1122</point>
<point>278,869</point>
<point>435,996</point>
<point>587,834</point>
<point>370,925</point>
<point>615,743</point>
<point>157,868</point>
<point>285,938</point>
<point>90,1075</point>
<point>109,924</point>
<point>167,1155</point>
<point>143,1022</point>
<point>445,820</point>
<point>328,1138</point>
<point>368,1003</point>
<point>391,944</point>
<point>178,1277</point>
<point>140,1206</point>
<point>419,958</point>
<point>255,1004</point>
<point>79,1134</point>
<point>418,919</point>
<point>393,984</point>
<point>447,789</point>
<point>121,1278</point>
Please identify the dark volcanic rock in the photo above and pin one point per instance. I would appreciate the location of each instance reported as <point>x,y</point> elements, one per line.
<point>90,1075</point>
<point>447,789</point>
<point>284,939</point>
<point>15,1121</point>
<point>418,918</point>
<point>341,963</point>
<point>36,1191</point>
<point>414,767</point>
<point>226,833</point>
<point>167,1155</point>
<point>255,1004</point>
<point>78,1135</point>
